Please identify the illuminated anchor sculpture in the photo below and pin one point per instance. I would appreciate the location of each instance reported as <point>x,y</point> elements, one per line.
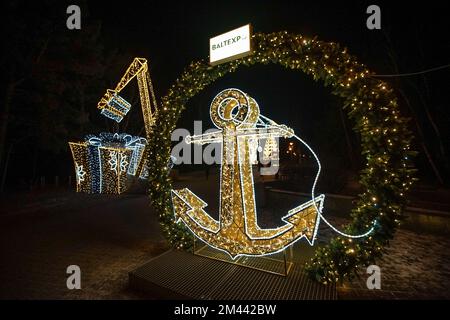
<point>237,231</point>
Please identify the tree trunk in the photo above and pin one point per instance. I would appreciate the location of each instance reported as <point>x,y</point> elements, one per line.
<point>422,139</point>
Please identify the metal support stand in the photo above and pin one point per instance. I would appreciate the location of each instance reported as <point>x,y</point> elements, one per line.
<point>267,264</point>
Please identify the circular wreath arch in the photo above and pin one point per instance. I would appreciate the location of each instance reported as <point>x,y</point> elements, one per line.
<point>369,102</point>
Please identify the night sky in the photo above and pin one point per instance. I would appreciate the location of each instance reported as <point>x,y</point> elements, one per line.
<point>172,34</point>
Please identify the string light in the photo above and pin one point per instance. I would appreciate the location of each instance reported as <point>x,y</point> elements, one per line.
<point>83,175</point>
<point>237,231</point>
<point>114,168</point>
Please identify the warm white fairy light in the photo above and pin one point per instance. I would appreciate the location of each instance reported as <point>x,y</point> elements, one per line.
<point>144,172</point>
<point>81,164</point>
<point>116,107</point>
<point>237,231</point>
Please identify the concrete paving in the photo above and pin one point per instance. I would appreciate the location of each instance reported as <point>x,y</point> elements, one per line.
<point>105,239</point>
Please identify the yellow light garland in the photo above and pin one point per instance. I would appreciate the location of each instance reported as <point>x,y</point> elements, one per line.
<point>333,66</point>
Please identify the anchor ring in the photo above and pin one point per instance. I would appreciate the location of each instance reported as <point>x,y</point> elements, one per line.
<point>232,108</point>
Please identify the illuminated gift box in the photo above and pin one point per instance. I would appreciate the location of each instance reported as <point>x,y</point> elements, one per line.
<point>104,163</point>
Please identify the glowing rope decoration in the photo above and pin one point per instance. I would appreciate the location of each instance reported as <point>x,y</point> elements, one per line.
<point>114,168</point>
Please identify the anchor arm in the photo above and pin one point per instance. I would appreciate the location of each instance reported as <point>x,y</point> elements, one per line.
<point>211,137</point>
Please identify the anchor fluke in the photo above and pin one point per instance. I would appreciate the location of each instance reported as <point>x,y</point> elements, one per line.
<point>237,231</point>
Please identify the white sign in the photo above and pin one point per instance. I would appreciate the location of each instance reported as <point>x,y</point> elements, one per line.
<point>231,45</point>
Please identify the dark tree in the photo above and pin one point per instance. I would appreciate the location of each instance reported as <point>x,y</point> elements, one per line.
<point>52,79</point>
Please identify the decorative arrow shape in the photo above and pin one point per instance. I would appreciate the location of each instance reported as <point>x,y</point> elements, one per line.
<point>301,222</point>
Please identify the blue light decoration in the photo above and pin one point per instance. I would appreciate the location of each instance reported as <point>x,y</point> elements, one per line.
<point>103,162</point>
